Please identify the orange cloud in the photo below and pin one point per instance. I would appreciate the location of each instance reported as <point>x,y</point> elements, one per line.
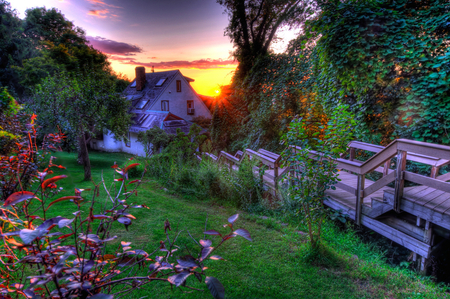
<point>207,63</point>
<point>98,13</point>
<point>101,9</point>
<point>102,3</point>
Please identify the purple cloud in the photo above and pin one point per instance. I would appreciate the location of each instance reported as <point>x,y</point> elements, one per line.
<point>112,47</point>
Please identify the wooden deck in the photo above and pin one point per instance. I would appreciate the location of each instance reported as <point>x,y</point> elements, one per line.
<point>410,216</point>
<point>348,199</point>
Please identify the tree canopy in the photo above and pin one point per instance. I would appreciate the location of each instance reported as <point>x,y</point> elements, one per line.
<point>389,60</point>
<point>254,24</point>
<point>81,106</point>
<point>42,44</point>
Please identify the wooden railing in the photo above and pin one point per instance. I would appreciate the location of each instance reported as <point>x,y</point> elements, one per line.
<point>264,157</point>
<point>404,150</point>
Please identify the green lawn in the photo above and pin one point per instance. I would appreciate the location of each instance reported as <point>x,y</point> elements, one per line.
<point>272,266</point>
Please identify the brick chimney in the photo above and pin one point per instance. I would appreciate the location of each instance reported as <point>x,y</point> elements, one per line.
<point>140,78</point>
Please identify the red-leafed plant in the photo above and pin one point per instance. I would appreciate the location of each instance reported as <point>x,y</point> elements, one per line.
<point>70,258</point>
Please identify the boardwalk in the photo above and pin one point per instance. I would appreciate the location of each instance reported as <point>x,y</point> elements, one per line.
<point>416,217</point>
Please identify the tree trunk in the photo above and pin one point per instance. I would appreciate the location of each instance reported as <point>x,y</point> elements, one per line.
<point>83,154</point>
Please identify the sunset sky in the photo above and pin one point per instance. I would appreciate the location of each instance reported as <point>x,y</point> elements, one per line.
<point>167,34</point>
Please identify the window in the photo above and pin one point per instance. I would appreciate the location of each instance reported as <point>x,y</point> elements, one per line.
<point>160,82</point>
<point>178,85</point>
<point>128,140</point>
<point>141,104</point>
<point>190,107</point>
<point>164,105</point>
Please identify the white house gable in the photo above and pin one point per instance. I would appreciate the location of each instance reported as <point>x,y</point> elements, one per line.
<point>179,98</point>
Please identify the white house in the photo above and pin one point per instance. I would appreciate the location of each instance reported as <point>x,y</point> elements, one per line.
<point>162,99</point>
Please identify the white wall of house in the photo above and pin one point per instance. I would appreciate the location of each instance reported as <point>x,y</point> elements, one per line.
<point>109,144</point>
<point>178,101</point>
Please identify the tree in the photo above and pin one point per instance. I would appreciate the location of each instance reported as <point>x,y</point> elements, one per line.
<point>153,140</point>
<point>82,106</point>
<point>254,24</point>
<point>315,173</point>
<point>14,47</point>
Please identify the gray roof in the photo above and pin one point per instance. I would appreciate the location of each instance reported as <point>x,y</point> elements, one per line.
<point>165,120</point>
<point>151,92</point>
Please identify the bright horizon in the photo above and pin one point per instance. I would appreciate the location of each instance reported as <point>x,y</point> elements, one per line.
<point>170,34</point>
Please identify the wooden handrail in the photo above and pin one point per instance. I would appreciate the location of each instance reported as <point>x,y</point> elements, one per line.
<point>405,150</point>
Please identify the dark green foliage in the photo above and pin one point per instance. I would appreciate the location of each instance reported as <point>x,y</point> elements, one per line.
<point>178,169</point>
<point>182,147</point>
<point>391,58</point>
<point>81,106</point>
<point>11,129</point>
<point>153,140</point>
<point>40,45</point>
<point>315,174</point>
<point>278,88</point>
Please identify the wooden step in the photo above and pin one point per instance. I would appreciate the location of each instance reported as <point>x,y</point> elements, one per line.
<point>377,208</point>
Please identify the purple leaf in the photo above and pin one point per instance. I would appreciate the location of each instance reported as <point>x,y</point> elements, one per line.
<point>243,233</point>
<point>215,287</point>
<point>198,275</point>
<point>205,252</point>
<point>212,232</point>
<point>17,197</point>
<point>102,296</point>
<point>88,266</point>
<point>178,279</point>
<point>65,222</point>
<point>49,222</point>
<point>233,218</point>
<point>29,235</point>
<point>125,221</point>
<point>216,257</point>
<point>187,262</point>
<point>205,243</point>
<point>58,267</point>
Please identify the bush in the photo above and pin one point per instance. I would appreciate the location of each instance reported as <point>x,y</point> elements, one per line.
<point>135,172</point>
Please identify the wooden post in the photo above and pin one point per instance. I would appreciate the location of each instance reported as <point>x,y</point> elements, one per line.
<point>386,167</point>
<point>352,153</point>
<point>399,181</point>
<point>359,198</point>
<point>275,175</point>
<point>434,171</point>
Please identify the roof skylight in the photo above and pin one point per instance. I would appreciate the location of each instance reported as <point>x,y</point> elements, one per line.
<point>133,84</point>
<point>160,82</point>
<point>141,104</point>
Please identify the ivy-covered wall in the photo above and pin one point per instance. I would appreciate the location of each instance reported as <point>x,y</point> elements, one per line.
<point>389,60</point>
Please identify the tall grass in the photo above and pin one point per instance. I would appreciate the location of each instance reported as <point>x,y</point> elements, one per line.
<point>207,179</point>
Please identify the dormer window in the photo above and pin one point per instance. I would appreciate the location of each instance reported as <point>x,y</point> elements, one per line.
<point>141,104</point>
<point>160,82</point>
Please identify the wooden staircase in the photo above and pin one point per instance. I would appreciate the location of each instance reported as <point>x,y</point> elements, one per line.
<point>408,216</point>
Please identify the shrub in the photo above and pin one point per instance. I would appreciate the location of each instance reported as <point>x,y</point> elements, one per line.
<point>314,174</point>
<point>71,255</point>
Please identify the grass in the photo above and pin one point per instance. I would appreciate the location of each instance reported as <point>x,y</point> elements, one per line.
<point>277,264</point>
